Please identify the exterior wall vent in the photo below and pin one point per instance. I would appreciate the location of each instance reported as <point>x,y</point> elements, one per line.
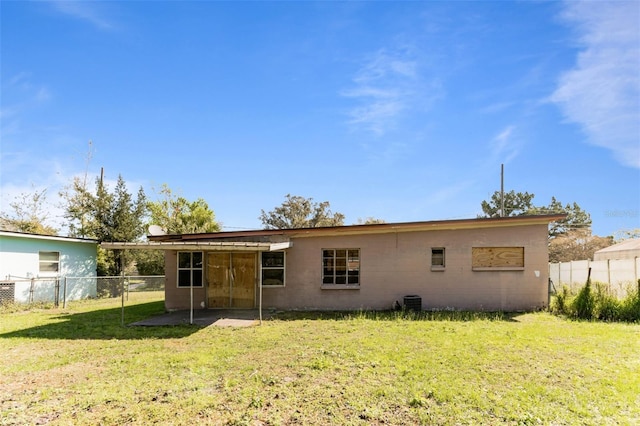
<point>7,292</point>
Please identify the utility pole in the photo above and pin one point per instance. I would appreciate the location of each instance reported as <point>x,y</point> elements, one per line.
<point>502,190</point>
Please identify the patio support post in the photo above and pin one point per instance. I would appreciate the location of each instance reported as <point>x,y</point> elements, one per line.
<point>191,304</point>
<point>64,293</point>
<point>260,300</point>
<point>122,287</point>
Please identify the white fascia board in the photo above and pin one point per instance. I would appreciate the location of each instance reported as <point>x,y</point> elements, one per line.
<point>280,246</point>
<point>188,246</point>
<point>47,237</point>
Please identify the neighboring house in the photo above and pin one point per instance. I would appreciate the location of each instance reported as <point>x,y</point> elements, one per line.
<point>478,264</point>
<point>43,267</point>
<point>629,249</point>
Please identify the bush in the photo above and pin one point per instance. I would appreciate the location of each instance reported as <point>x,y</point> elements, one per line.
<point>630,307</point>
<point>598,304</point>
<point>584,304</point>
<point>560,303</point>
<point>607,306</point>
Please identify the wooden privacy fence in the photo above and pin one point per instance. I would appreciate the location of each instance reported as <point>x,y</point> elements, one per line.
<point>621,275</point>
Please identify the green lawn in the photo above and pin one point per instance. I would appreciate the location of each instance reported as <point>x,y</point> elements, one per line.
<point>79,366</point>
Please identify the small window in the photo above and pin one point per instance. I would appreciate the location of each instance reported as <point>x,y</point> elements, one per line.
<point>272,268</point>
<point>190,269</point>
<point>437,258</point>
<point>49,262</point>
<point>341,266</point>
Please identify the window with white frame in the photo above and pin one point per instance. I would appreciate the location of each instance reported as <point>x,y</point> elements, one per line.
<point>49,262</point>
<point>190,269</point>
<point>272,266</point>
<point>341,267</point>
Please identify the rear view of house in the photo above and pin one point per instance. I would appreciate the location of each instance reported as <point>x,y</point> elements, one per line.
<point>37,267</point>
<point>477,264</point>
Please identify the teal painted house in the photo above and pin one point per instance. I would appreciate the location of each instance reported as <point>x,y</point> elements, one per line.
<point>46,268</point>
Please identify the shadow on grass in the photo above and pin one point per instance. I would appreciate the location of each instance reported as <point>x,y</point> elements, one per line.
<point>399,315</point>
<point>105,324</point>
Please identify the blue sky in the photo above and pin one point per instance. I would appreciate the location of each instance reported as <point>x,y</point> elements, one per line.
<point>402,111</point>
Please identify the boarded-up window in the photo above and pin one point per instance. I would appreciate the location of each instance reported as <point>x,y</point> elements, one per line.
<point>497,257</point>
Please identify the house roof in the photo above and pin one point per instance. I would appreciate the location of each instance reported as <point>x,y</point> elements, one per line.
<point>259,240</point>
<point>27,235</point>
<point>378,228</point>
<point>628,245</point>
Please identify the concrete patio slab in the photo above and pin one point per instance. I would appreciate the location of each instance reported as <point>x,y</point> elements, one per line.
<point>206,317</point>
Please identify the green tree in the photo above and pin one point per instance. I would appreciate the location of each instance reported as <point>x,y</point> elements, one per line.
<point>177,215</point>
<point>515,204</point>
<point>569,238</point>
<point>30,214</point>
<point>106,217</point>
<point>77,200</point>
<point>521,203</point>
<point>577,219</point>
<point>149,262</point>
<point>300,212</point>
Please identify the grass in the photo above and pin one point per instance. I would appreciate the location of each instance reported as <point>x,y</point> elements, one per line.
<point>79,366</point>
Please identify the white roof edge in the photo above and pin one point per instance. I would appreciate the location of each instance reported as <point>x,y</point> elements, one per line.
<point>47,237</point>
<point>280,246</point>
<point>627,245</point>
<point>186,245</point>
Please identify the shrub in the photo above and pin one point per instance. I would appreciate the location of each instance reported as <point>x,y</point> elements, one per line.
<point>630,307</point>
<point>560,303</point>
<point>597,304</point>
<point>583,306</point>
<point>607,306</point>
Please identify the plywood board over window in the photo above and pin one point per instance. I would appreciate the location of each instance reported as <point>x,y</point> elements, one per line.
<point>497,258</point>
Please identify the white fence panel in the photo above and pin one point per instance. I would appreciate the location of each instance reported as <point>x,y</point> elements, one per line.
<point>599,272</point>
<point>621,275</point>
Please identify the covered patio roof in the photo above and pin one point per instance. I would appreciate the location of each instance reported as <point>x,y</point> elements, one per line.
<point>198,246</point>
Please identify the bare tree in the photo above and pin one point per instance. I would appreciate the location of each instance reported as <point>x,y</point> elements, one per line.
<point>370,221</point>
<point>30,214</point>
<point>577,244</point>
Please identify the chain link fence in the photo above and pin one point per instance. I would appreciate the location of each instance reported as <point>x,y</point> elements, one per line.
<point>35,290</point>
<point>115,286</point>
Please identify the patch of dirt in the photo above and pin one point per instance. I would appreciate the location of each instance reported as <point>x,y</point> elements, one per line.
<point>36,397</point>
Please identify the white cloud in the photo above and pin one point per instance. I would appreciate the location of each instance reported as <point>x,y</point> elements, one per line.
<point>20,95</point>
<point>504,147</point>
<point>386,86</point>
<point>89,11</point>
<point>602,92</point>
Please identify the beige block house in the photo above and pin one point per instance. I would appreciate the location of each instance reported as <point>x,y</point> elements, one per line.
<point>477,264</point>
